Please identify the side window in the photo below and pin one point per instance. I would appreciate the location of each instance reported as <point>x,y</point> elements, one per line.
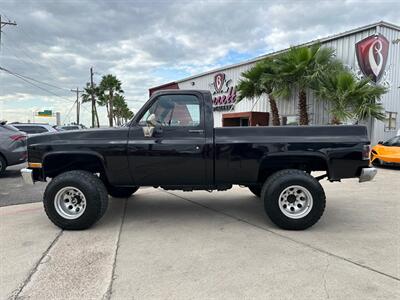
<point>174,111</point>
<point>41,129</point>
<point>32,129</point>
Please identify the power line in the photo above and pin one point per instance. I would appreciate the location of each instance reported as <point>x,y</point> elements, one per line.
<point>21,49</point>
<point>42,82</point>
<point>3,24</point>
<point>69,112</point>
<point>33,84</point>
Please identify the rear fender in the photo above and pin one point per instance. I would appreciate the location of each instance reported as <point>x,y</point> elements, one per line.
<point>308,162</point>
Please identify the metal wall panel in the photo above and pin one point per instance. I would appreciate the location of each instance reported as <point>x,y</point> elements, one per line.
<point>391,77</point>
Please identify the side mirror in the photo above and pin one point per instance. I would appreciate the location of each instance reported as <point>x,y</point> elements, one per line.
<point>380,142</point>
<point>151,121</point>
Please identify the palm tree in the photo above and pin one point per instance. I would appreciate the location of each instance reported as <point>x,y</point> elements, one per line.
<point>299,68</point>
<point>87,95</point>
<point>122,113</point>
<point>350,98</point>
<point>258,80</point>
<point>108,88</point>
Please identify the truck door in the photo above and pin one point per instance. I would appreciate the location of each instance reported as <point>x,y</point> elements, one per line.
<point>176,153</point>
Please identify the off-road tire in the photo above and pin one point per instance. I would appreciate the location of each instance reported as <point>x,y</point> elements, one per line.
<point>3,165</point>
<point>255,189</point>
<point>121,192</point>
<point>94,191</point>
<point>277,183</point>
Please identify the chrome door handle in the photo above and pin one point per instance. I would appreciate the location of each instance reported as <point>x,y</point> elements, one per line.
<point>196,131</point>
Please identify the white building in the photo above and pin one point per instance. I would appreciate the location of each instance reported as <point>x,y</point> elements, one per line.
<point>372,50</point>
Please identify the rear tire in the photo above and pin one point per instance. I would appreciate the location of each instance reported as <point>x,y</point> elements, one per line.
<point>293,199</point>
<point>3,165</point>
<point>121,192</point>
<point>75,200</point>
<point>255,189</point>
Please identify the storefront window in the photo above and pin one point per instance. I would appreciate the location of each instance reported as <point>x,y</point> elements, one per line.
<point>390,121</point>
<point>290,120</point>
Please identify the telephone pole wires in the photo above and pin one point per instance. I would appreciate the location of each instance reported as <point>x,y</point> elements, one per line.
<point>3,24</point>
<point>78,106</point>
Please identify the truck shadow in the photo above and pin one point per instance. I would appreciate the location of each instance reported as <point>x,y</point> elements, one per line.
<point>167,210</point>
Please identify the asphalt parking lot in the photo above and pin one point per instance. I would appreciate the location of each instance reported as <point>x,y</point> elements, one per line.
<point>177,245</point>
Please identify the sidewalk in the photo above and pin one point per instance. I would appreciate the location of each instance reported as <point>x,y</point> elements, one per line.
<point>177,245</point>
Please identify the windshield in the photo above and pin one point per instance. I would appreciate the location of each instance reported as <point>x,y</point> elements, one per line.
<point>393,142</point>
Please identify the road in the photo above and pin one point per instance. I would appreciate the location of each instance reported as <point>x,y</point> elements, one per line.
<point>14,191</point>
<point>200,245</point>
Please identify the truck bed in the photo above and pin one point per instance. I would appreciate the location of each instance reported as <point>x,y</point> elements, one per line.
<point>241,150</point>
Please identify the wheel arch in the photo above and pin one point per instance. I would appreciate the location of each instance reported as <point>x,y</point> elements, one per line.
<point>302,161</point>
<point>75,160</point>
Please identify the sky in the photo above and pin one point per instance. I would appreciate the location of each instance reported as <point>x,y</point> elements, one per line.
<point>148,43</point>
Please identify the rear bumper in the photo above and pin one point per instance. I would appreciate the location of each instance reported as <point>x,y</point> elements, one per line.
<point>27,175</point>
<point>367,174</point>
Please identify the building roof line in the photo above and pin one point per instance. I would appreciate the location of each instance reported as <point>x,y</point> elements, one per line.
<point>320,40</point>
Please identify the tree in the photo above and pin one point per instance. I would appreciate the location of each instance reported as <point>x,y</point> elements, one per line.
<point>87,97</point>
<point>349,97</point>
<point>299,69</point>
<point>108,88</point>
<point>121,111</point>
<point>260,79</point>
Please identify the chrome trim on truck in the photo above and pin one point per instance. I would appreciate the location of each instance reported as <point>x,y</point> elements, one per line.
<point>27,175</point>
<point>367,174</point>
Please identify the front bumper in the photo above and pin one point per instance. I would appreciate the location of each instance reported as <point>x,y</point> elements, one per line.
<point>27,175</point>
<point>367,174</point>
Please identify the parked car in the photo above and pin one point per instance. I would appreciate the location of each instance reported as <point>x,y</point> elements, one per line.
<point>172,143</point>
<point>72,127</point>
<point>12,147</point>
<point>34,128</point>
<point>386,153</point>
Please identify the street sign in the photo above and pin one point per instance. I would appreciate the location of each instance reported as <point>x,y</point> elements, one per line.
<point>45,113</point>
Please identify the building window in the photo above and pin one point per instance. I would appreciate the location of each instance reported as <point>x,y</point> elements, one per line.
<point>290,120</point>
<point>390,121</point>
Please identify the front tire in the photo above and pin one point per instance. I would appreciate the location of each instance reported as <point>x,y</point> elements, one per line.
<point>75,200</point>
<point>293,199</point>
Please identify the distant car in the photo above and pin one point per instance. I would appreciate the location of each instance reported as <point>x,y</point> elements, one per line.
<point>12,147</point>
<point>33,128</point>
<point>71,127</point>
<point>58,128</point>
<point>386,153</point>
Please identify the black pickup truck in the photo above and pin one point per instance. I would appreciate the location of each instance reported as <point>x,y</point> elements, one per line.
<point>172,143</point>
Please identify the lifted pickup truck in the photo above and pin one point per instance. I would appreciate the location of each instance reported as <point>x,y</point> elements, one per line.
<point>172,143</point>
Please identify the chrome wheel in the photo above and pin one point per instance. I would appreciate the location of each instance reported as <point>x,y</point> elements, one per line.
<point>295,202</point>
<point>70,203</point>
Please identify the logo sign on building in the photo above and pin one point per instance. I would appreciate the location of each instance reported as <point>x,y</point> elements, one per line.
<point>219,81</point>
<point>224,93</point>
<point>372,54</point>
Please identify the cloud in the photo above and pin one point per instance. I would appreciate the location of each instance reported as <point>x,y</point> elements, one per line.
<point>146,43</point>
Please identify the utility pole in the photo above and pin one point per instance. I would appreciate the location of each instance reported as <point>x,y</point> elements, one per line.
<point>2,24</point>
<point>111,109</point>
<point>78,106</point>
<point>92,94</point>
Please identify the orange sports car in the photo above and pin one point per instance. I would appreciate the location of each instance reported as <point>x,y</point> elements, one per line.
<point>387,152</point>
